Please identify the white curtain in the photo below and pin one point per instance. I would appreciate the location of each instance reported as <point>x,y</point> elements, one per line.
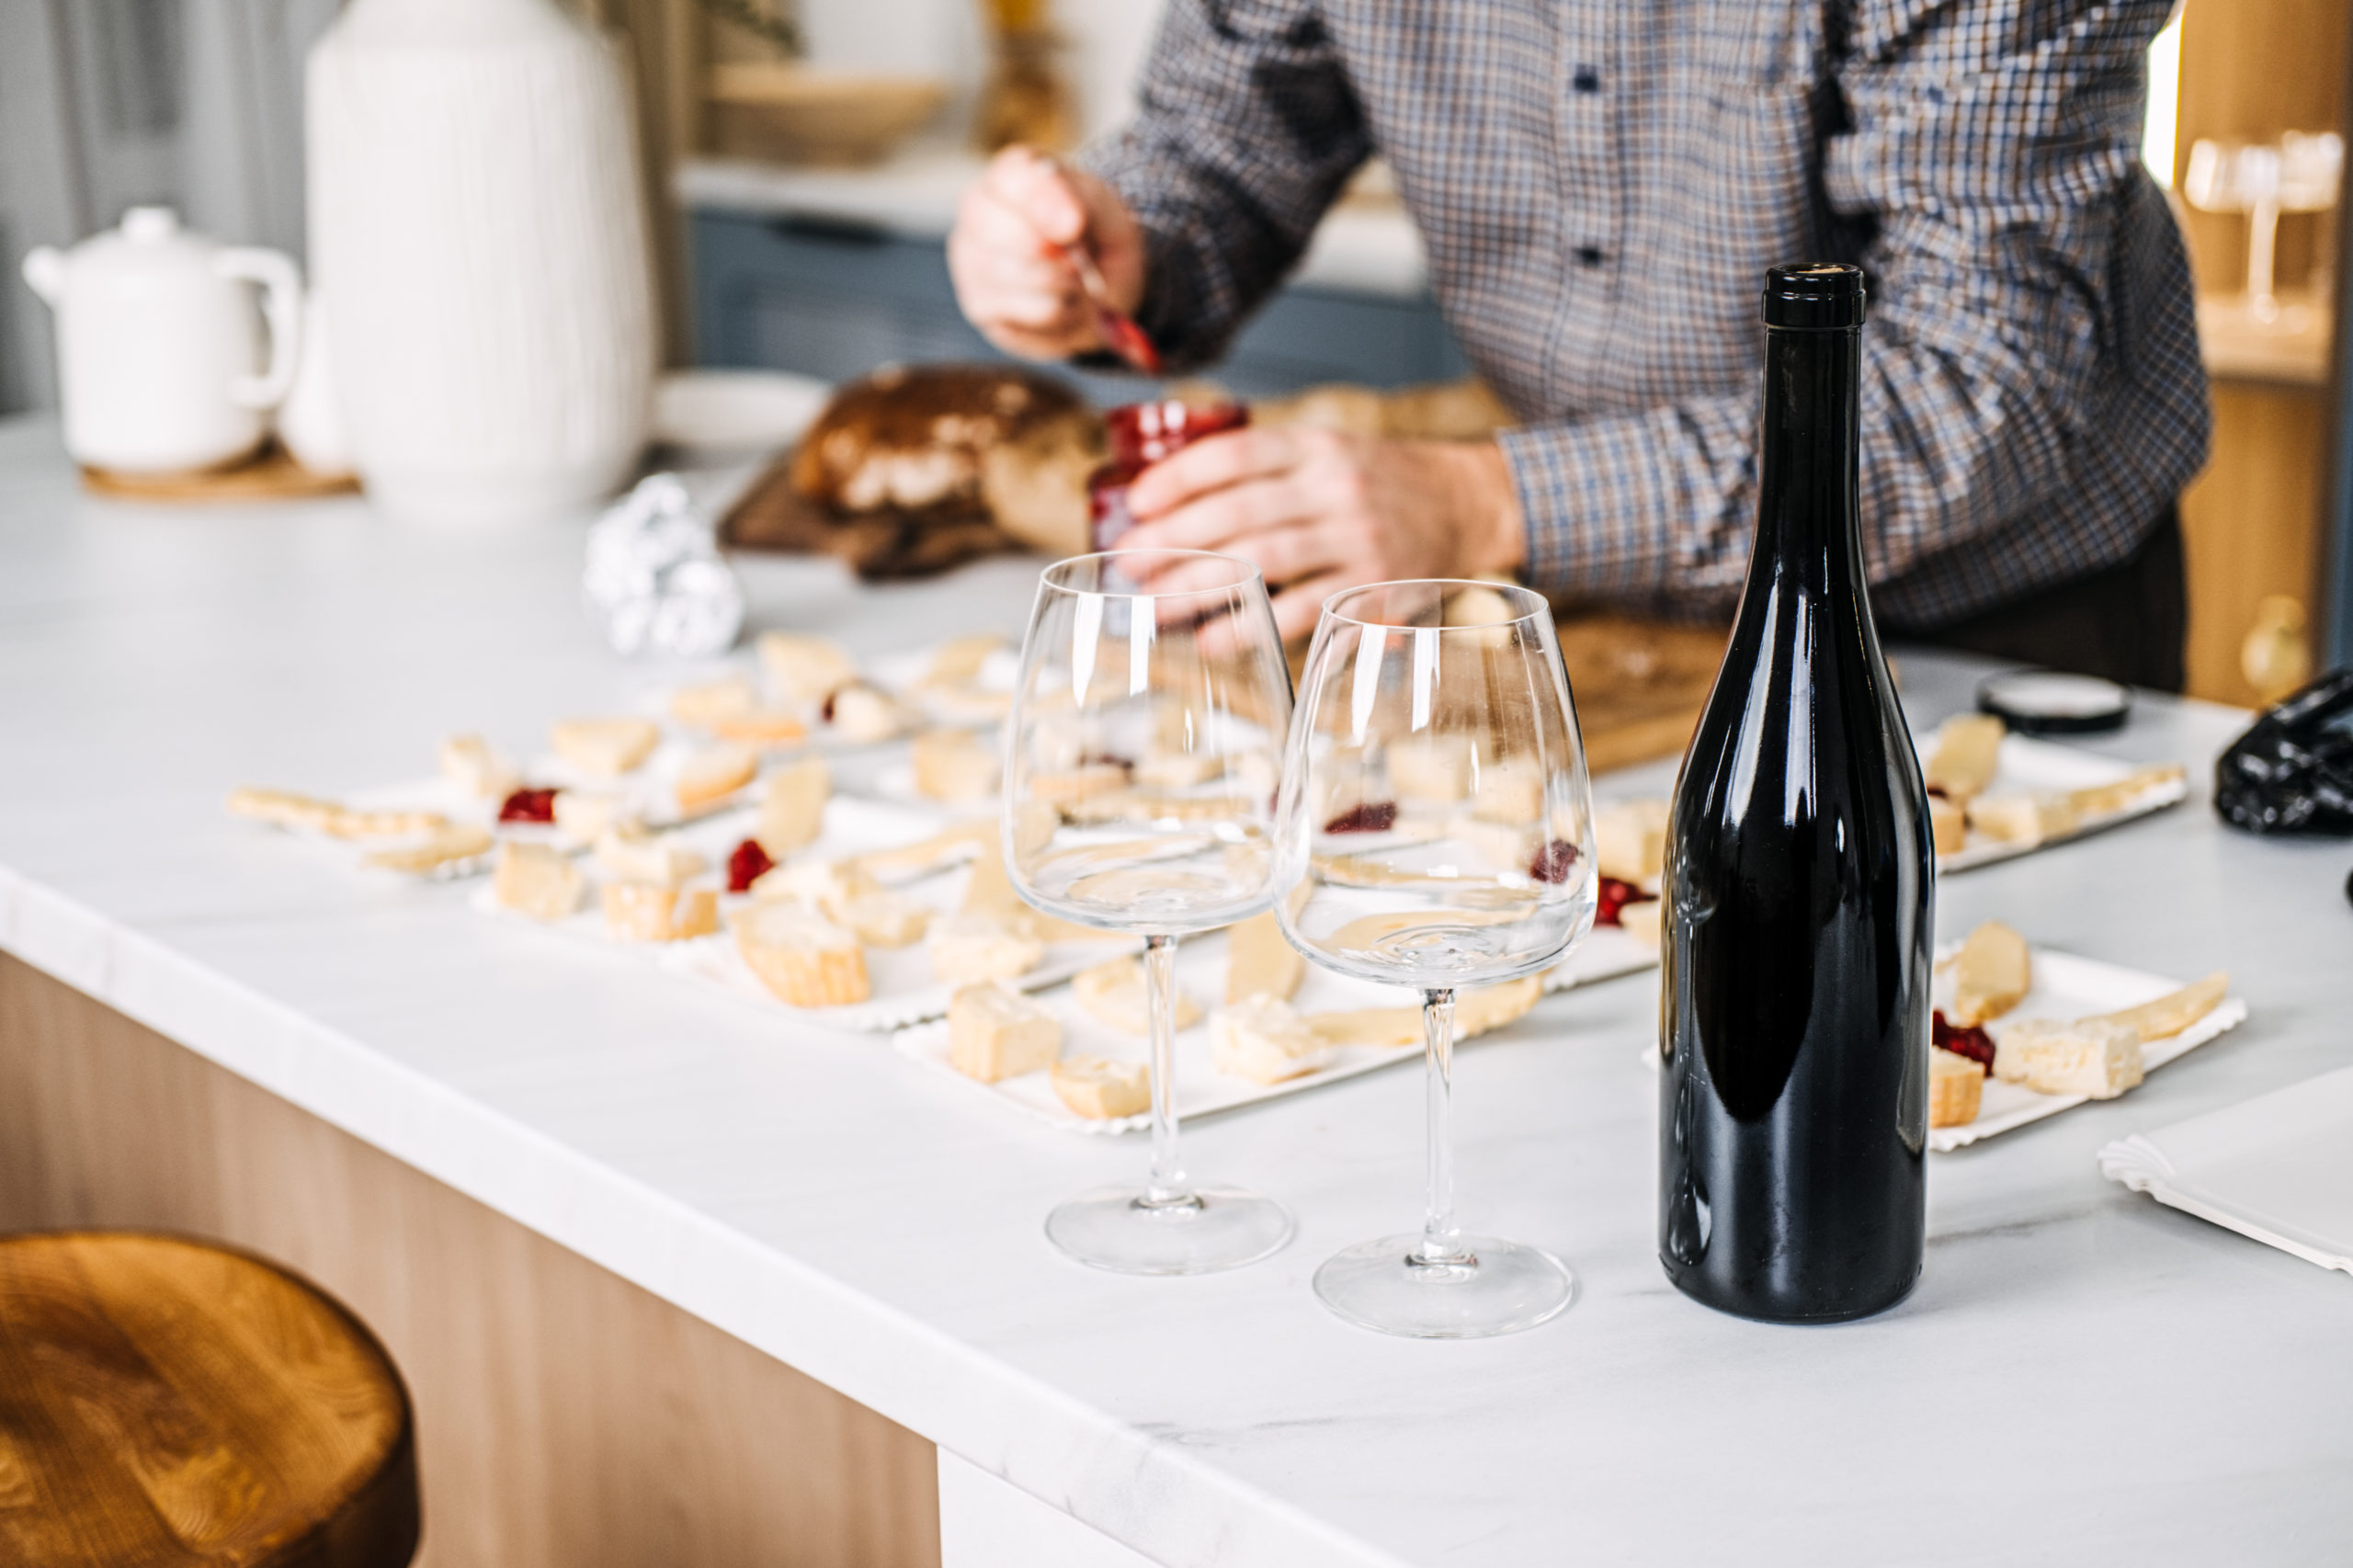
<point>107,103</point>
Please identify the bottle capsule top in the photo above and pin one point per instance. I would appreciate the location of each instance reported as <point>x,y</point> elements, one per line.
<point>1821,296</point>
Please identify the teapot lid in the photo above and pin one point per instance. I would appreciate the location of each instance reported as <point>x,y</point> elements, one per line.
<point>150,225</point>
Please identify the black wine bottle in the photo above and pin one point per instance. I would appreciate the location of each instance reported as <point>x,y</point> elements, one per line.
<point>1799,885</point>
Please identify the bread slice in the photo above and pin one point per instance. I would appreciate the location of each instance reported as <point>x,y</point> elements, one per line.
<point>1956,1089</point>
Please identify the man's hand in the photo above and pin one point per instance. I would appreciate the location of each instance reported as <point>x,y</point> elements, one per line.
<point>1318,512</point>
<point>1012,278</point>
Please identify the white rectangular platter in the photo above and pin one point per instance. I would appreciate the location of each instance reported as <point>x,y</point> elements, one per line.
<point>904,990</point>
<point>2066,986</point>
<point>2028,767</point>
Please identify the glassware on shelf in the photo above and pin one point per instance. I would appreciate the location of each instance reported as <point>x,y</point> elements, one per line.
<point>1436,830</point>
<point>1142,757</point>
<point>2297,173</point>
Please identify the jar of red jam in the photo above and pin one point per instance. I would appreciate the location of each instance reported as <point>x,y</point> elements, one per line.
<point>1142,434</point>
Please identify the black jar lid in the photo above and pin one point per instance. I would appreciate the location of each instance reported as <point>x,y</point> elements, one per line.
<point>2052,702</point>
<point>1817,296</point>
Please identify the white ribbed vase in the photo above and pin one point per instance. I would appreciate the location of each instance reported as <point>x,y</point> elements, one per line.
<point>478,227</point>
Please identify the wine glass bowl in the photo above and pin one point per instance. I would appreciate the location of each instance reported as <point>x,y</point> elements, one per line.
<point>1435,828</point>
<point>1142,757</point>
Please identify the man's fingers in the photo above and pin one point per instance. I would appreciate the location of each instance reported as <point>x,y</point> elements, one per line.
<point>1215,464</point>
<point>1036,188</point>
<point>1299,607</point>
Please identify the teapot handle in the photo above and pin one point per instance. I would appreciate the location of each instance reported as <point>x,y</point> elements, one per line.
<point>281,307</point>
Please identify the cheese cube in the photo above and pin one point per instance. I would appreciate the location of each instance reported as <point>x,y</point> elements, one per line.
<point>1178,770</point>
<point>792,806</point>
<point>827,886</point>
<point>961,658</point>
<point>628,853</point>
<point>1262,1039</point>
<point>1076,784</point>
<point>1114,993</point>
<point>1948,825</point>
<point>2022,819</point>
<point>995,1032</point>
<point>1510,790</point>
<point>1956,1089</point>
<point>885,919</point>
<point>1961,762</point>
<point>535,881</point>
<point>1629,840</point>
<point>1431,769</point>
<point>801,957</point>
<point>1495,846</point>
<point>864,714</point>
<point>1100,1089</point>
<point>648,912</point>
<point>2098,1057</point>
<point>1990,974</point>
<point>1485,1009</point>
<point>604,748</point>
<point>966,947</point>
<point>479,772</point>
<point>581,816</point>
<point>1646,922</point>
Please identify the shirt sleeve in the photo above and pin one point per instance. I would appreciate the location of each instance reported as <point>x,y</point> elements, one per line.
<point>1989,149</point>
<point>1245,130</point>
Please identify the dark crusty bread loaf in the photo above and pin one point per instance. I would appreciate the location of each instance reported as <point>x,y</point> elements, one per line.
<point>911,440</point>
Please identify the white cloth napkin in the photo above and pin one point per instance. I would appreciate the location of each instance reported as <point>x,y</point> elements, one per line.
<point>2278,1167</point>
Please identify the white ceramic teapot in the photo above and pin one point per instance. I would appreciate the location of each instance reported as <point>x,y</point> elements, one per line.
<point>158,341</point>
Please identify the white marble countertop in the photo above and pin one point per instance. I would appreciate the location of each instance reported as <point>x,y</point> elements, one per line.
<point>2081,1376</point>
<point>1365,249</point>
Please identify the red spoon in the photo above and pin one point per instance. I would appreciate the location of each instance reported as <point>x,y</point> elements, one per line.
<point>1118,329</point>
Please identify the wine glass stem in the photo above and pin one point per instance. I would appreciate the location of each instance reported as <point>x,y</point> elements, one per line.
<point>1168,1186</point>
<point>1441,1241</point>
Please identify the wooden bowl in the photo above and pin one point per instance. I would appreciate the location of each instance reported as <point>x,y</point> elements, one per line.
<point>800,114</point>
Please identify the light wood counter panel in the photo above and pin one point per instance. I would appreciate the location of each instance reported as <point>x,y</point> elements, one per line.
<point>566,1418</point>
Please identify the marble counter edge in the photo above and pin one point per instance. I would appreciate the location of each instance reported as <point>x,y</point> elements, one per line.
<point>1144,1491</point>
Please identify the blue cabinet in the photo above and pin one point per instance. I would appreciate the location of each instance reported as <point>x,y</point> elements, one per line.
<point>834,299</point>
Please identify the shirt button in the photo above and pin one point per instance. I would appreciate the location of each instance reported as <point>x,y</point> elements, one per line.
<point>1587,80</point>
<point>1590,254</point>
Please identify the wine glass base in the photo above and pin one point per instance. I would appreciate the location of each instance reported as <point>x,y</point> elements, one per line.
<point>1508,1286</point>
<point>1113,1228</point>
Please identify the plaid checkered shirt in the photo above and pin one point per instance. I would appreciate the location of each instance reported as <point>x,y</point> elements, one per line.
<point>1601,185</point>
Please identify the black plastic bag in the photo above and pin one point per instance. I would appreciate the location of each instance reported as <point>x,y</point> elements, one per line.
<point>2293,771</point>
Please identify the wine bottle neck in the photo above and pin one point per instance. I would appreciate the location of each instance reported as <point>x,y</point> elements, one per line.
<point>1809,516</point>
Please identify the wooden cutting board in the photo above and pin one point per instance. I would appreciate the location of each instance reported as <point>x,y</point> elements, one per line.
<point>270,474</point>
<point>1638,684</point>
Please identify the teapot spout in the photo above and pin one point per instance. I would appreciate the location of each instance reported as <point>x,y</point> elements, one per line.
<point>44,271</point>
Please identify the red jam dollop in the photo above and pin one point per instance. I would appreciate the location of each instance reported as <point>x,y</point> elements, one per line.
<point>1373,816</point>
<point>1971,1041</point>
<point>527,805</point>
<point>1553,862</point>
<point>1614,896</point>
<point>1142,434</point>
<point>747,865</point>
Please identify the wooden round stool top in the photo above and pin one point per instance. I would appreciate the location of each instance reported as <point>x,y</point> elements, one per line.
<point>164,1402</point>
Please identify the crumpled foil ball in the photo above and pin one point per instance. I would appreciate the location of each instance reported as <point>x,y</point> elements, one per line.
<point>655,581</point>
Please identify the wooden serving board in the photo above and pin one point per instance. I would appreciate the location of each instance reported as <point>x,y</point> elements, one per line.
<point>270,474</point>
<point>1638,684</point>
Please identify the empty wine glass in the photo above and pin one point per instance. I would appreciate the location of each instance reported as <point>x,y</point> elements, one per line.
<point>1141,755</point>
<point>1435,830</point>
